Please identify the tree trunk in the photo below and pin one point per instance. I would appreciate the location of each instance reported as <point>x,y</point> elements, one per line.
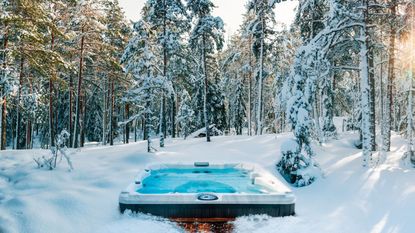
<point>162,118</point>
<point>3,122</point>
<point>410,117</point>
<point>391,77</point>
<point>3,135</point>
<point>71,136</point>
<point>51,132</point>
<point>146,122</point>
<point>111,123</point>
<point>77,113</point>
<point>372,95</point>
<point>261,70</point>
<point>144,126</point>
<point>329,129</point>
<point>163,123</point>
<point>83,120</point>
<point>317,116</point>
<point>205,110</point>
<point>19,92</point>
<point>56,115</point>
<point>104,113</point>
<point>127,125</point>
<point>173,116</point>
<point>250,91</point>
<point>135,129</point>
<point>32,132</point>
<point>382,116</point>
<point>28,134</point>
<point>365,90</point>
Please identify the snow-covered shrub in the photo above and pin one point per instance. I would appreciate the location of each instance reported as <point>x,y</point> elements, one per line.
<point>296,168</point>
<point>58,152</point>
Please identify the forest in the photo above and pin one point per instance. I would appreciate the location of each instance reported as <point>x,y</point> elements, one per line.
<point>83,68</point>
<point>179,121</point>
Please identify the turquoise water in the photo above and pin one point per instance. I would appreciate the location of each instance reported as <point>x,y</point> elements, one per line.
<point>198,180</point>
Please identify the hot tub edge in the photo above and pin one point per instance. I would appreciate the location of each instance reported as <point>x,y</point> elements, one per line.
<point>210,210</point>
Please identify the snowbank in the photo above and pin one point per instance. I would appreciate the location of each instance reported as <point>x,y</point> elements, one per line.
<point>349,198</point>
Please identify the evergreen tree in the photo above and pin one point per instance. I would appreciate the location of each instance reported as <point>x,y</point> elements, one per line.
<point>27,26</point>
<point>116,36</point>
<point>88,26</point>
<point>141,62</point>
<point>169,21</point>
<point>233,83</point>
<point>260,29</point>
<point>6,73</point>
<point>207,34</point>
<point>185,115</point>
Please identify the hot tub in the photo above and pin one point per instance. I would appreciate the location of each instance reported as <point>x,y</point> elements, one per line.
<point>203,190</point>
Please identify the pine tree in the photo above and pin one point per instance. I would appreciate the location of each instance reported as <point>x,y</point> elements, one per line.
<point>185,115</point>
<point>6,72</point>
<point>259,27</point>
<point>141,62</point>
<point>57,17</point>
<point>89,27</point>
<point>169,21</point>
<point>27,26</point>
<point>234,71</point>
<point>116,36</point>
<point>207,34</point>
<point>248,67</point>
<point>311,66</point>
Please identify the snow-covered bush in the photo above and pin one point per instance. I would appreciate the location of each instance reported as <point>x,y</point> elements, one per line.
<point>58,152</point>
<point>296,168</point>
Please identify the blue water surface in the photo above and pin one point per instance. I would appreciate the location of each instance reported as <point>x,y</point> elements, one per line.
<point>198,180</point>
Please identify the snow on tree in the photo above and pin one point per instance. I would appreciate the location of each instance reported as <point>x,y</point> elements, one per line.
<point>141,62</point>
<point>233,82</point>
<point>185,115</point>
<point>170,21</point>
<point>6,74</point>
<point>23,44</point>
<point>311,66</point>
<point>365,87</point>
<point>260,29</point>
<point>116,37</point>
<point>89,26</point>
<point>206,36</point>
<point>283,55</point>
<point>295,166</point>
<point>298,114</point>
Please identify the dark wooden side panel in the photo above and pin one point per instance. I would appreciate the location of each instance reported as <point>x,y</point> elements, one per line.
<point>210,210</point>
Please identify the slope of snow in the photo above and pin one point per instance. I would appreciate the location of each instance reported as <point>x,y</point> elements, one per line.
<point>348,198</point>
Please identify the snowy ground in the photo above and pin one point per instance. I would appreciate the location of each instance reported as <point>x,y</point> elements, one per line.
<point>348,199</point>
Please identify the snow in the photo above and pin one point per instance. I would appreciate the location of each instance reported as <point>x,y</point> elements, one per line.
<point>289,145</point>
<point>349,198</point>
